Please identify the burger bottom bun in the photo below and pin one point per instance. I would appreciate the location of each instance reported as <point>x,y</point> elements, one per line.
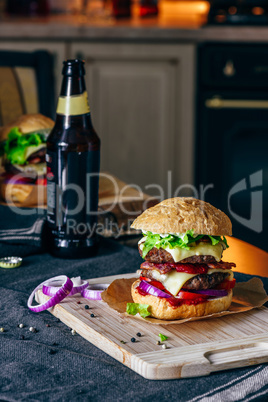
<point>161,309</point>
<point>26,195</point>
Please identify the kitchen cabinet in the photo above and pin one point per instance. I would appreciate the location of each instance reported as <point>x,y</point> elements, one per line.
<point>141,97</point>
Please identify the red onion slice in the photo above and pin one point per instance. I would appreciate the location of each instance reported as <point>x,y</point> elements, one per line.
<point>212,292</point>
<point>63,291</point>
<point>78,286</point>
<point>93,292</point>
<point>152,290</point>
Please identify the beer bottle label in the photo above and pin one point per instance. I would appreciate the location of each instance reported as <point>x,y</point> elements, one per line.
<point>72,193</point>
<point>73,105</point>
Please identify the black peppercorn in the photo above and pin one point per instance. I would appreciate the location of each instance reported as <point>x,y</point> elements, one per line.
<point>138,334</point>
<point>133,340</point>
<point>52,351</point>
<point>92,315</point>
<point>87,307</point>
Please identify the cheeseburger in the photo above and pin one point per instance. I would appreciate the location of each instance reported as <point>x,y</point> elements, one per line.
<point>183,274</point>
<point>22,156</point>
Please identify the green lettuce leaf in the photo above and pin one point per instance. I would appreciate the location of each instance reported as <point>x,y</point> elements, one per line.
<point>135,308</point>
<point>17,143</point>
<point>216,239</point>
<point>224,241</point>
<point>171,241</point>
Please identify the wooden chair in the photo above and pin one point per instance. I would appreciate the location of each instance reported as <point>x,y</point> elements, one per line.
<point>26,84</point>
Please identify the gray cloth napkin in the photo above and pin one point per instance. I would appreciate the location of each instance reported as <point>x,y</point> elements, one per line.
<point>23,233</point>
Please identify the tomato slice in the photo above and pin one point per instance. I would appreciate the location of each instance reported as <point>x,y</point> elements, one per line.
<point>190,296</point>
<point>227,285</point>
<point>143,278</point>
<point>41,182</point>
<point>156,284</point>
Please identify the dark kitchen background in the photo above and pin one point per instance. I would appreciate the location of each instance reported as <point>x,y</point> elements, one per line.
<point>178,92</point>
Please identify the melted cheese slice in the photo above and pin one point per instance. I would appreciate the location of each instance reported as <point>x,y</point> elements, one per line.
<point>39,168</point>
<point>33,148</point>
<point>202,248</point>
<point>174,281</point>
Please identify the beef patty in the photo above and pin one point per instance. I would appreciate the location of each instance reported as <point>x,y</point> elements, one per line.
<point>159,256</point>
<point>199,282</point>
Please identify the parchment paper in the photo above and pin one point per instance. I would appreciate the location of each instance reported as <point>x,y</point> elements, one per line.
<point>246,296</point>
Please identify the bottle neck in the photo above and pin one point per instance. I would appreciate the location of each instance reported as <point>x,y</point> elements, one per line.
<point>73,101</point>
<point>74,85</point>
<point>67,122</point>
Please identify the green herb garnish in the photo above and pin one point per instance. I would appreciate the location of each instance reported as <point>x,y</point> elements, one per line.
<point>135,308</point>
<point>163,337</point>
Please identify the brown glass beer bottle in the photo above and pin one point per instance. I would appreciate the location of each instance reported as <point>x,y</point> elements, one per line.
<point>73,162</point>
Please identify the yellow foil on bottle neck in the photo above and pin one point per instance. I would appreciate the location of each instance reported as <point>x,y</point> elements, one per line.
<point>73,105</point>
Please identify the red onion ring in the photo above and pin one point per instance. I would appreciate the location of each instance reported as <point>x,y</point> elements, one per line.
<point>93,292</point>
<point>212,292</point>
<point>63,291</point>
<point>152,290</point>
<point>52,290</point>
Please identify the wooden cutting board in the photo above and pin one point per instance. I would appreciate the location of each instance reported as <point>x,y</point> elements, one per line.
<point>193,349</point>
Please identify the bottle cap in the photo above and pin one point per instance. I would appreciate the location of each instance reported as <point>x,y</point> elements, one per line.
<point>10,262</point>
<point>73,67</point>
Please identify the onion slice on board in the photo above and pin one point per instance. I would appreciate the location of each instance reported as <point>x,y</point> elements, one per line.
<point>63,291</point>
<point>93,292</point>
<point>78,286</point>
<point>152,290</point>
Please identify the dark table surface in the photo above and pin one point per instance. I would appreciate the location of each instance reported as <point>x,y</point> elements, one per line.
<point>54,365</point>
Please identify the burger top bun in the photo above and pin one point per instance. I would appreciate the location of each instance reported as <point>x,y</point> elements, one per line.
<point>177,215</point>
<point>27,123</point>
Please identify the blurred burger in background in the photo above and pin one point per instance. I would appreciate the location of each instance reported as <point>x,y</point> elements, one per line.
<point>22,160</point>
